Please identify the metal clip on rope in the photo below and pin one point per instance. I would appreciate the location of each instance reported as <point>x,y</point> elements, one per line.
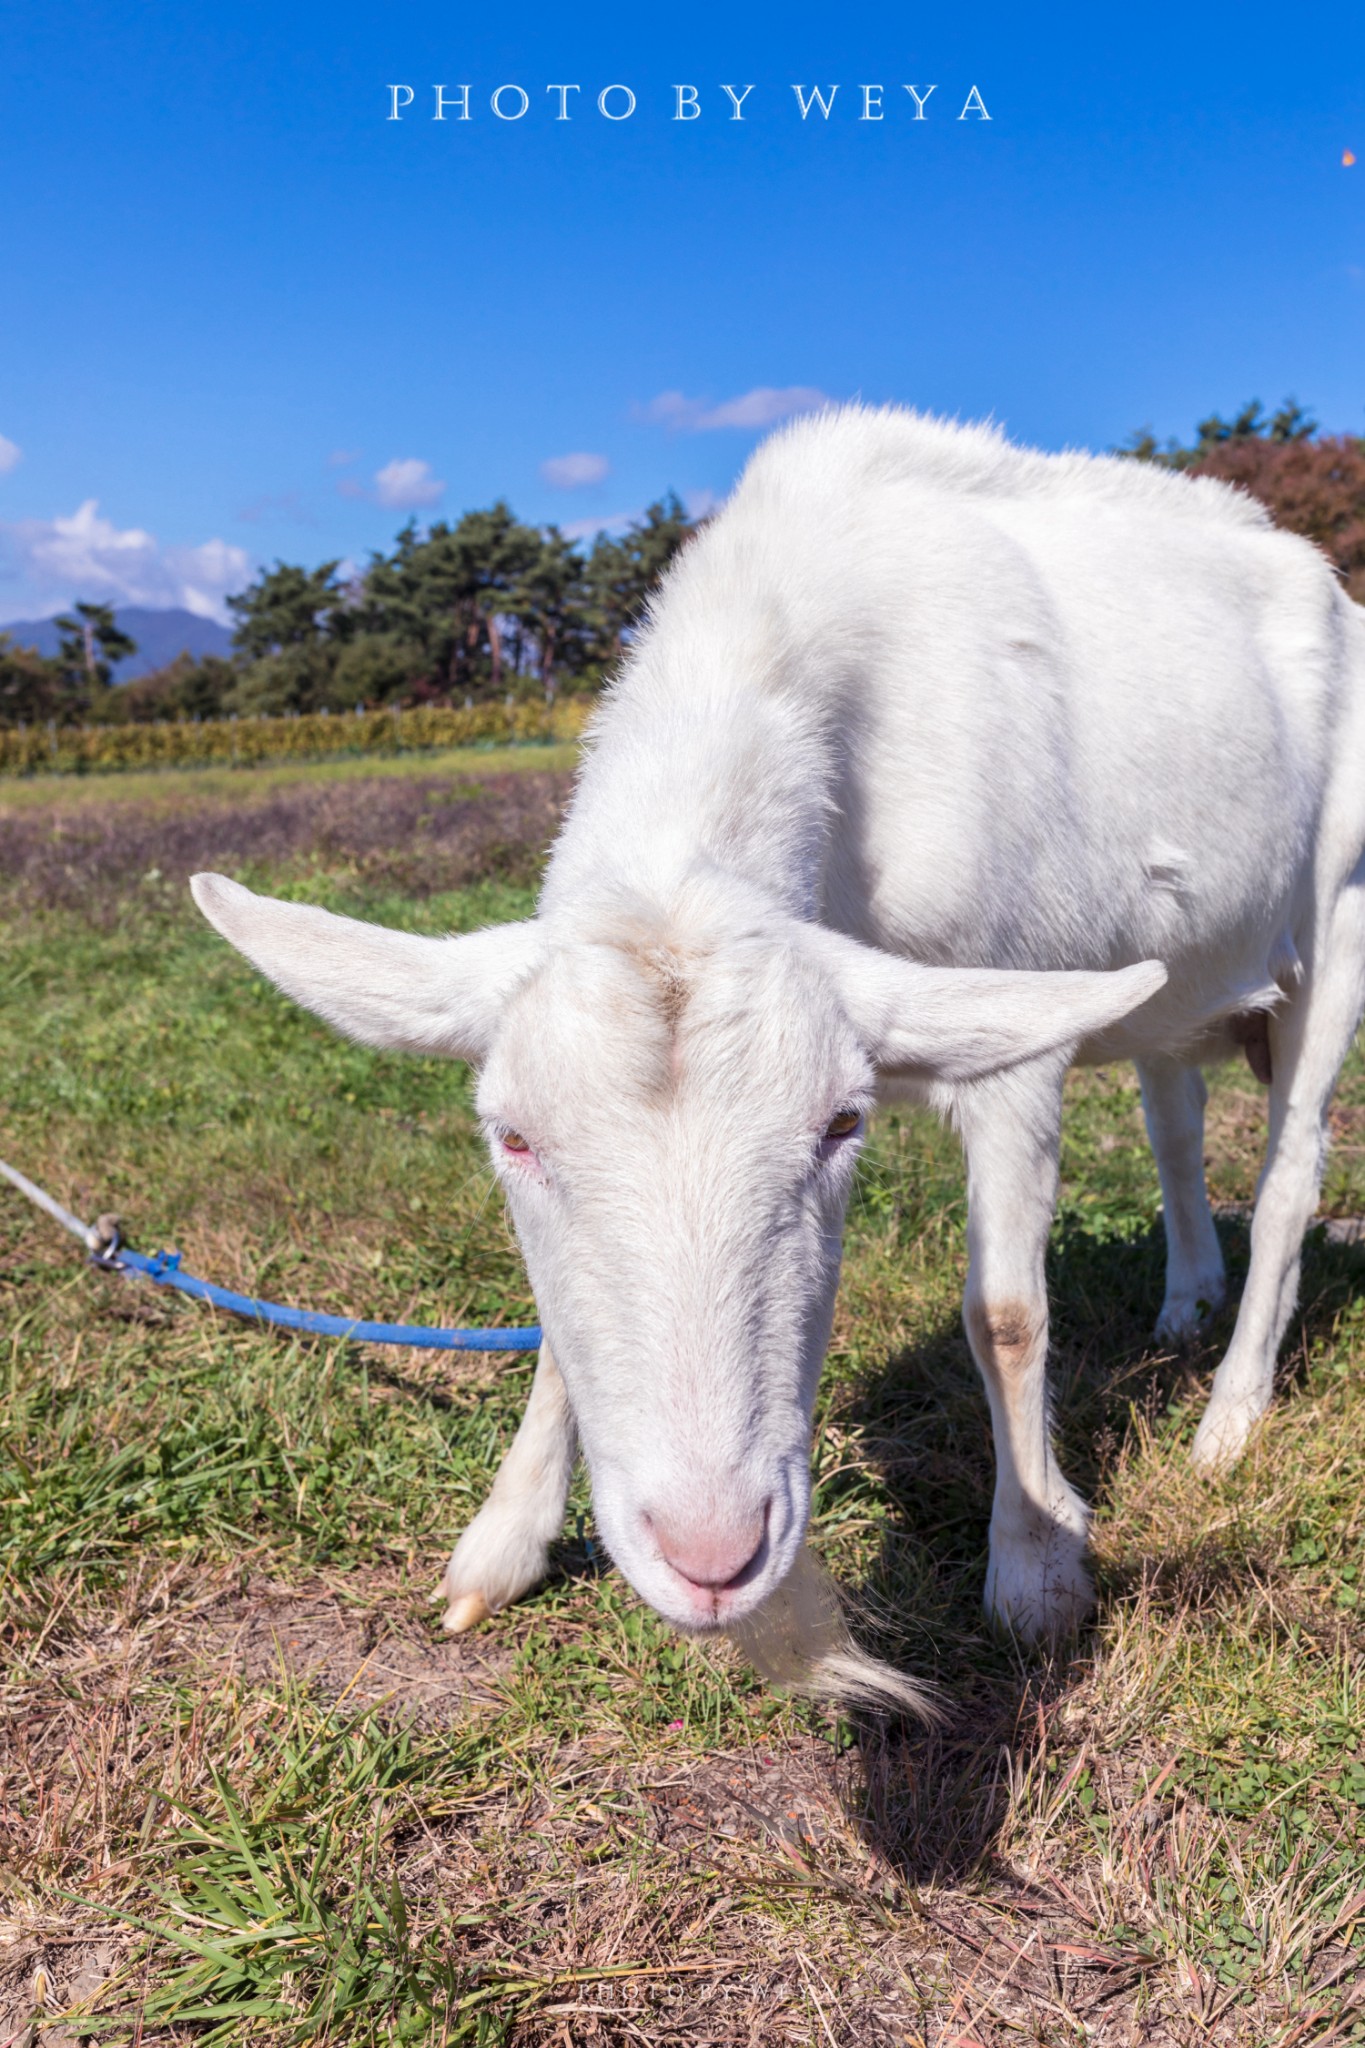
<point>107,1251</point>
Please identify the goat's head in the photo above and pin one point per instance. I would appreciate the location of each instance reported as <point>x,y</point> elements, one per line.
<point>674,1101</point>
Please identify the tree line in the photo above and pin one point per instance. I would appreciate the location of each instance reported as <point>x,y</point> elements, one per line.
<point>459,613</point>
<point>1310,482</point>
<point>489,606</point>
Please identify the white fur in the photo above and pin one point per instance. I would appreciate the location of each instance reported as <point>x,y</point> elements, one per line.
<point>930,743</point>
<point>507,1545</point>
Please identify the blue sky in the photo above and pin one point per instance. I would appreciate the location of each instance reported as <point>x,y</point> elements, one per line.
<point>243,315</point>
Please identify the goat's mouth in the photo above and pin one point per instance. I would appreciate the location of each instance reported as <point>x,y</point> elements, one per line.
<point>708,1578</point>
<point>710,1607</point>
<point>705,1548</point>
<point>716,1614</point>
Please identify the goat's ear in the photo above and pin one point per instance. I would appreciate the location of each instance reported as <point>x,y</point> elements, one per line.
<point>386,988</point>
<point>960,1023</point>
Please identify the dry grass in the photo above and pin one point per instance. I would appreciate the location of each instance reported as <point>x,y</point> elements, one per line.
<point>422,835</point>
<point>248,1793</point>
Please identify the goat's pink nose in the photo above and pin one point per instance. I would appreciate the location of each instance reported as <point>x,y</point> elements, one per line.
<point>712,1555</point>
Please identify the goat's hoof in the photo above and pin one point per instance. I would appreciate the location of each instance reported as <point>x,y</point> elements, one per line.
<point>1222,1437</point>
<point>466,1611</point>
<point>1184,1317</point>
<point>1045,1616</point>
<point>1037,1585</point>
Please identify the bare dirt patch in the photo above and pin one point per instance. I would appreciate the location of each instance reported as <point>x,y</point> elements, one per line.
<point>750,1895</point>
<point>42,1973</point>
<point>373,1653</point>
<point>793,1793</point>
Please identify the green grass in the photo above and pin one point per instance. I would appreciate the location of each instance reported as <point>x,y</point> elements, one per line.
<point>257,1824</point>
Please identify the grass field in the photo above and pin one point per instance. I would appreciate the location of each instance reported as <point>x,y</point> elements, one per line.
<point>185,789</point>
<point>248,1793</point>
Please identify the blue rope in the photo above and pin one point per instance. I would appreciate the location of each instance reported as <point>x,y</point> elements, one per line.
<point>164,1269</point>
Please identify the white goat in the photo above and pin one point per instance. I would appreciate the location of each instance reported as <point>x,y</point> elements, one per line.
<point>930,743</point>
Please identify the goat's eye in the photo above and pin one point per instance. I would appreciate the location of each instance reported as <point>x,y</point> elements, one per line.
<point>844,1124</point>
<point>512,1141</point>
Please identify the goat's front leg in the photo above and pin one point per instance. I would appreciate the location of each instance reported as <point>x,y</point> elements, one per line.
<point>1037,1582</point>
<point>506,1548</point>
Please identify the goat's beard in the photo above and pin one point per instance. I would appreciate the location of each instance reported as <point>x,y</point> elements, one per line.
<point>800,1638</point>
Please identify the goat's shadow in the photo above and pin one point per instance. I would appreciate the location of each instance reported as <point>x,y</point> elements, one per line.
<point>933,1802</point>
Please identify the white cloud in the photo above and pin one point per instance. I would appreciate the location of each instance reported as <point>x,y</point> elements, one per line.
<point>87,556</point>
<point>341,457</point>
<point>571,472</point>
<point>405,483</point>
<point>764,406</point>
<point>10,455</point>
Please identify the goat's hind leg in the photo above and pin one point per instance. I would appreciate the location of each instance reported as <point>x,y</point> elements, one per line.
<point>1309,1039</point>
<point>506,1548</point>
<point>1173,1098</point>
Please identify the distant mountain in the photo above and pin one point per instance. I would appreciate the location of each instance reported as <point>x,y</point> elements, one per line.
<point>160,636</point>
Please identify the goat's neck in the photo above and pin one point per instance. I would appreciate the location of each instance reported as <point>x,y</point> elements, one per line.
<point>701,758</point>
